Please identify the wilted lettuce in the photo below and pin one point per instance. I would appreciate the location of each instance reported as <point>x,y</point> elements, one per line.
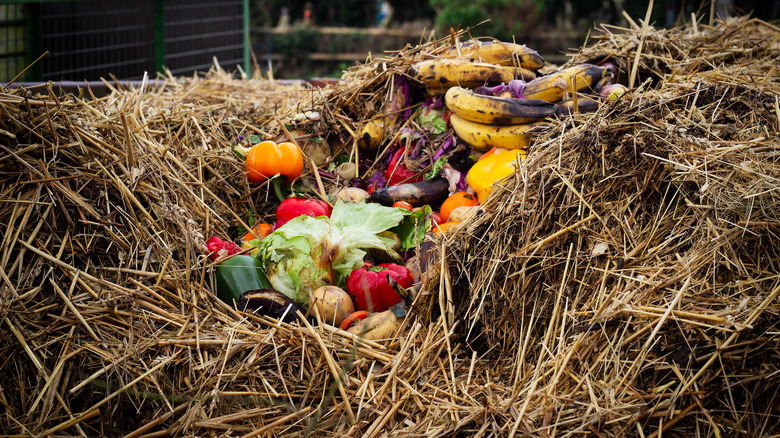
<point>307,252</point>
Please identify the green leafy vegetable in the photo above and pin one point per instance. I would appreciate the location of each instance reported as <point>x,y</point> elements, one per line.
<point>307,252</point>
<point>411,231</point>
<point>438,165</point>
<point>431,120</point>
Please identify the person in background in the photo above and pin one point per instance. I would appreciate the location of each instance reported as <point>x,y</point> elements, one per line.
<point>307,20</point>
<point>284,19</point>
<point>383,14</point>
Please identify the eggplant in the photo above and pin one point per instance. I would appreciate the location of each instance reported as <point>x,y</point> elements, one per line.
<point>417,194</point>
<point>271,303</point>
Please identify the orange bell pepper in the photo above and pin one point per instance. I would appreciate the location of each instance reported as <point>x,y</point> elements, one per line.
<point>268,159</point>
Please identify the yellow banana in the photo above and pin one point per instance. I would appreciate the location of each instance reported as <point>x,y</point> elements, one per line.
<point>380,325</point>
<point>497,52</point>
<point>558,86</point>
<point>438,75</point>
<point>373,133</point>
<point>493,110</point>
<point>520,72</point>
<point>482,137</point>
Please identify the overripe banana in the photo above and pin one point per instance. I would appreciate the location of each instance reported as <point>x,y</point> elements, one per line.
<point>438,75</point>
<point>582,105</point>
<point>482,137</point>
<point>394,111</point>
<point>558,86</point>
<point>520,72</point>
<point>497,52</point>
<point>493,110</point>
<point>373,133</point>
<point>380,325</point>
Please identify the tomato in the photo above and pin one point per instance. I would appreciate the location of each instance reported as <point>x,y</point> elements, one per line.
<point>403,204</point>
<point>258,232</point>
<point>353,318</point>
<point>458,199</point>
<point>436,220</point>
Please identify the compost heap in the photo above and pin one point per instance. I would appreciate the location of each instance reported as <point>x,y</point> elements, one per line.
<point>623,282</point>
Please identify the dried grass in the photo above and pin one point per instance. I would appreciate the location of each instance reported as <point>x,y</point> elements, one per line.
<point>624,284</point>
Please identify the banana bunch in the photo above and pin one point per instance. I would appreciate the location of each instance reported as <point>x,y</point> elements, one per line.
<point>485,121</point>
<point>483,137</point>
<point>476,63</point>
<point>494,110</point>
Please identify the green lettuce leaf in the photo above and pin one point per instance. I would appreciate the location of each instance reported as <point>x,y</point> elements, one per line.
<point>307,252</point>
<point>411,231</point>
<point>431,120</point>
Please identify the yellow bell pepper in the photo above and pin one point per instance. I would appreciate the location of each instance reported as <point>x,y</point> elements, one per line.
<point>495,165</point>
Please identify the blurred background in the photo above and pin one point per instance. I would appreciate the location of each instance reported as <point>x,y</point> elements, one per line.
<point>94,39</point>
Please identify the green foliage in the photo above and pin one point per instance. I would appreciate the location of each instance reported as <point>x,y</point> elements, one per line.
<point>508,18</point>
<point>299,40</point>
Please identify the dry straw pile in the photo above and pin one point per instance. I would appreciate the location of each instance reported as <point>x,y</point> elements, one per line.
<point>624,283</point>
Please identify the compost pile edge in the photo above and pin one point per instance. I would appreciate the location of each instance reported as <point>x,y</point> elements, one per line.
<point>623,283</point>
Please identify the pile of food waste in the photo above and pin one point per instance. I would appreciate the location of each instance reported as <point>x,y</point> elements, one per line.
<point>457,238</point>
<point>447,129</point>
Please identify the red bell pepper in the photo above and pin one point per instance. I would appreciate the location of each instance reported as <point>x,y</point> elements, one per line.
<point>217,248</point>
<point>370,290</point>
<point>398,172</point>
<point>294,207</point>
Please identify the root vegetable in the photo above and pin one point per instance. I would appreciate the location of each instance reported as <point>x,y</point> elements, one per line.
<point>464,213</point>
<point>352,194</point>
<point>333,303</point>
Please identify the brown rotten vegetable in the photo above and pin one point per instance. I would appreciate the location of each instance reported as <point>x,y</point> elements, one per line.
<point>271,303</point>
<point>420,193</point>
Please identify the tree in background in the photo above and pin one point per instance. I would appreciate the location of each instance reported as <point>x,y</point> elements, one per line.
<point>508,18</point>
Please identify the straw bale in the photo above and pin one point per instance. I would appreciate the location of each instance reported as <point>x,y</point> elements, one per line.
<point>623,283</point>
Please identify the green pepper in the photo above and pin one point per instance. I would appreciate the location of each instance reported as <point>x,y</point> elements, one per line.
<point>237,275</point>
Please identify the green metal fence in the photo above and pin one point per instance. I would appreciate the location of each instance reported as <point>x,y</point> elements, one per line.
<point>13,55</point>
<point>93,39</point>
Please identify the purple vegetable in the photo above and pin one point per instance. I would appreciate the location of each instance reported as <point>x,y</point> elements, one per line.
<point>462,185</point>
<point>484,91</point>
<point>390,153</point>
<point>377,179</point>
<point>358,183</point>
<point>446,145</point>
<point>516,88</point>
<point>435,102</point>
<point>405,90</point>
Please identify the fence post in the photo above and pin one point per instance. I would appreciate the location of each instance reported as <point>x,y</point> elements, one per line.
<point>32,18</point>
<point>247,39</point>
<point>159,35</point>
